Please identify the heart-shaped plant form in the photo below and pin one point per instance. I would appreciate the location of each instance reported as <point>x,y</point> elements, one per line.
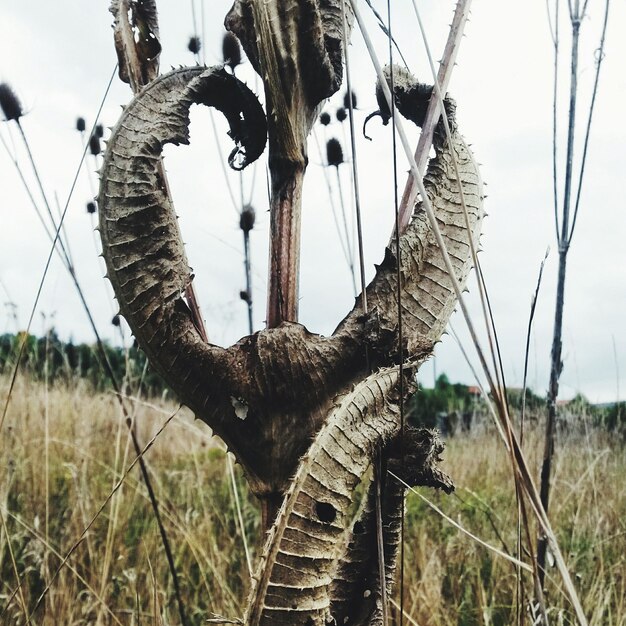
<point>260,394</point>
<point>304,414</point>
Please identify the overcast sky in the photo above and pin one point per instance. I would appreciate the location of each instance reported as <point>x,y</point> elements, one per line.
<point>59,58</point>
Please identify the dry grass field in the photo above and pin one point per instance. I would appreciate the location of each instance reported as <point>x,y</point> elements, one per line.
<point>64,449</point>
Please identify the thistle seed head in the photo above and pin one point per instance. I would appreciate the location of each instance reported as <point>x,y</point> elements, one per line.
<point>99,132</point>
<point>246,220</point>
<point>94,145</point>
<point>341,114</point>
<point>194,45</point>
<point>346,100</point>
<point>10,103</point>
<point>325,119</point>
<point>334,152</point>
<point>91,207</point>
<point>80,124</point>
<point>231,50</point>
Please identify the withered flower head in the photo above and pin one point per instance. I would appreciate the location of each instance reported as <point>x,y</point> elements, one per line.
<point>94,145</point>
<point>346,100</point>
<point>246,220</point>
<point>334,152</point>
<point>231,50</point>
<point>10,103</point>
<point>194,45</point>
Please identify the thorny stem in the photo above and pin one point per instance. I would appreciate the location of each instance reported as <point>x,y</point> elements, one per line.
<point>347,231</point>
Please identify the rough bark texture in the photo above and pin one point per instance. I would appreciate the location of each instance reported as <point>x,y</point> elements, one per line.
<point>287,402</point>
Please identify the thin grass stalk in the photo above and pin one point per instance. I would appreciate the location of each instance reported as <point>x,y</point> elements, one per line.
<point>157,515</point>
<point>29,193</point>
<point>247,263</point>
<point>155,594</point>
<point>248,272</point>
<point>62,244</point>
<point>403,613</point>
<point>202,26</point>
<point>331,198</point>
<point>242,528</point>
<point>434,111</point>
<point>51,549</point>
<point>461,528</point>
<point>18,578</point>
<point>520,505</point>
<point>488,401</point>
<point>195,27</point>
<point>347,232</point>
<point>487,510</point>
<point>380,546</point>
<point>46,419</point>
<point>115,509</point>
<point>222,162</point>
<point>557,342</point>
<point>353,151</point>
<point>531,317</point>
<point>57,206</point>
<point>118,484</point>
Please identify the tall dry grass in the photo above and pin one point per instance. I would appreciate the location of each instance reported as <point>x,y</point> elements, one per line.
<point>119,574</point>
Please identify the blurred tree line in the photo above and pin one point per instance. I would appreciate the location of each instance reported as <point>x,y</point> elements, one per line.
<point>66,362</point>
<point>428,405</point>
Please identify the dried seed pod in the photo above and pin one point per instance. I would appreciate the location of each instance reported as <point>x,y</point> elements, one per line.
<point>341,114</point>
<point>346,100</point>
<point>91,207</point>
<point>334,152</point>
<point>80,124</point>
<point>94,145</point>
<point>325,119</point>
<point>10,103</point>
<point>246,219</point>
<point>194,45</point>
<point>99,132</point>
<point>231,50</point>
